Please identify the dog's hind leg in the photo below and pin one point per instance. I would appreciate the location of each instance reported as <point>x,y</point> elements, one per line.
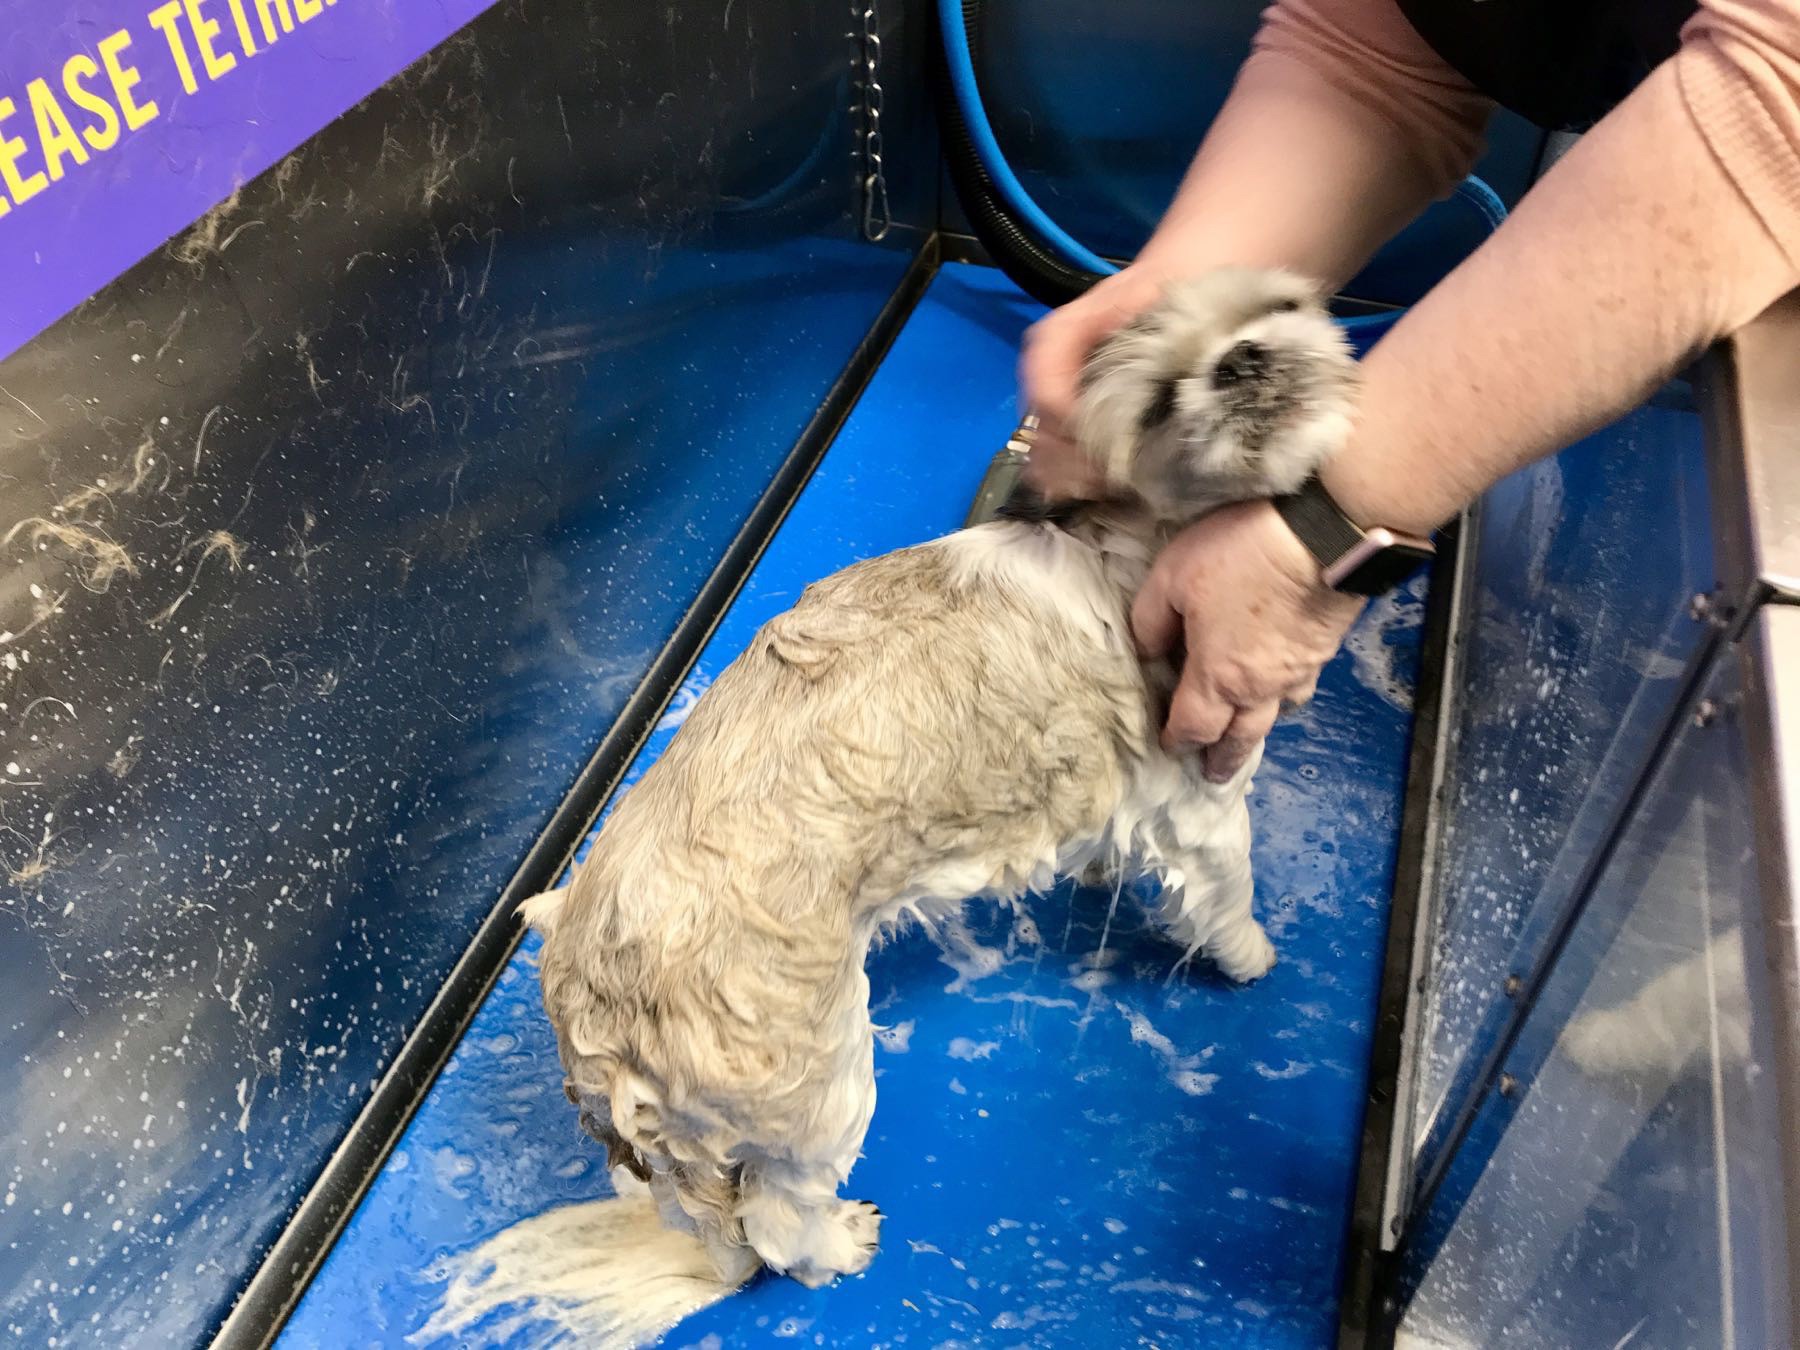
<point>796,1223</point>
<point>704,1201</point>
<point>789,1205</point>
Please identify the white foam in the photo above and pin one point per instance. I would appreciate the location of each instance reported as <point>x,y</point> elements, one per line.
<point>1291,1069</point>
<point>895,1040</point>
<point>964,1048</point>
<point>683,703</point>
<point>1375,658</point>
<point>1183,1070</point>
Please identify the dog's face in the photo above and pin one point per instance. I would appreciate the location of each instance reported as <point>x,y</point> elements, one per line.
<point>1235,385</point>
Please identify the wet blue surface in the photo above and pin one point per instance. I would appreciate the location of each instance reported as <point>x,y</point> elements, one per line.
<point>1071,1146</point>
<point>263,862</point>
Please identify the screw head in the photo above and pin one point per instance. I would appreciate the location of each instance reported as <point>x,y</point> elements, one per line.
<point>1513,985</point>
<point>1509,1086</point>
<point>1705,713</point>
<point>1700,607</point>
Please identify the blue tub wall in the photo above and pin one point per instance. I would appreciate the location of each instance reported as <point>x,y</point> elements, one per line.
<point>418,448</point>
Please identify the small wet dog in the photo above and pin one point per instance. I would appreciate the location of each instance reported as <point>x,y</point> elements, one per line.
<point>967,717</point>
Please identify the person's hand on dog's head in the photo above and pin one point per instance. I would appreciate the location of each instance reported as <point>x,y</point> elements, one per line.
<point>1056,347</point>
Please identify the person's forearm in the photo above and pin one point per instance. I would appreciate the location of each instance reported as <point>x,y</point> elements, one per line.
<point>1634,252</point>
<point>1341,127</point>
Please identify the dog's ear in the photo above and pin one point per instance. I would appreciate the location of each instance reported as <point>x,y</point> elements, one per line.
<point>1161,406</point>
<point>1127,388</point>
<point>542,911</point>
<point>1028,504</point>
<point>1122,346</point>
<point>621,1154</point>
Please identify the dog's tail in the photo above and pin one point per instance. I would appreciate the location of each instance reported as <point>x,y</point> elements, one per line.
<point>542,911</point>
<point>608,1274</point>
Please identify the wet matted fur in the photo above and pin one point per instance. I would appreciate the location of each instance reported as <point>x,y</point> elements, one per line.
<point>966,717</point>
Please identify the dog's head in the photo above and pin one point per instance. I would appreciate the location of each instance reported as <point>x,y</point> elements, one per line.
<point>1236,385</point>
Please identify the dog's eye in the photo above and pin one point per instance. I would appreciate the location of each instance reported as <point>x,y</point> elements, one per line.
<point>1285,307</point>
<point>1160,408</point>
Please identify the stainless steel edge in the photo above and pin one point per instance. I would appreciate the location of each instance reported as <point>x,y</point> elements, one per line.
<point>1751,384</point>
<point>1770,654</point>
<point>1751,388</point>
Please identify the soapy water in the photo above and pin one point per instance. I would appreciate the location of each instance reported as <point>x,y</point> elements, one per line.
<point>1382,667</point>
<point>607,1274</point>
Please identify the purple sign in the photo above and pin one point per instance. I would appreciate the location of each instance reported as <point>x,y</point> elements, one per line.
<point>122,121</point>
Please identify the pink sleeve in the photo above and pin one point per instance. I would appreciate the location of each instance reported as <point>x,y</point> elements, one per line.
<point>1667,226</point>
<point>1673,222</point>
<point>1369,57</point>
<point>1739,73</point>
<point>1342,126</point>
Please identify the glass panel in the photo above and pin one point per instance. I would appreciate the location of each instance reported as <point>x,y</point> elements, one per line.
<point>1625,1191</point>
<point>1573,641</point>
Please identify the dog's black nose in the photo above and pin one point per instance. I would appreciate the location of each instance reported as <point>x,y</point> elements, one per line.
<point>1245,361</point>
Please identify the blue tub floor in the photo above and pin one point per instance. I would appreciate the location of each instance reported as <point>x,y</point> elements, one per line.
<point>1072,1144</point>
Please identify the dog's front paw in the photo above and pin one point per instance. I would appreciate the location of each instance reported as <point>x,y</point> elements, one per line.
<point>853,1237</point>
<point>862,1221</point>
<point>1245,955</point>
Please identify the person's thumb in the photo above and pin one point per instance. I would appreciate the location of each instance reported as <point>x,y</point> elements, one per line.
<point>1057,468</point>
<point>1155,622</point>
<point>1050,367</point>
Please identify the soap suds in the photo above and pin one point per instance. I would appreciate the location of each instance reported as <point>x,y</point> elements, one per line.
<point>963,1048</point>
<point>1376,659</point>
<point>1183,1070</point>
<point>895,1040</point>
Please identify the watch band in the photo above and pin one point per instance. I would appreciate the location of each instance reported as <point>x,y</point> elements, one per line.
<point>1350,558</point>
<point>1319,522</point>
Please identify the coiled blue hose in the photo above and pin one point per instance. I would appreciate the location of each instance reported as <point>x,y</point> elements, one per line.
<point>960,64</point>
<point>981,132</point>
<point>1484,199</point>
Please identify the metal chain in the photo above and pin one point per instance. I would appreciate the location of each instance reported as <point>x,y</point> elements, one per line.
<point>876,219</point>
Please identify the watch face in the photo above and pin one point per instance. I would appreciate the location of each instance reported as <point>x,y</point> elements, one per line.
<point>1381,571</point>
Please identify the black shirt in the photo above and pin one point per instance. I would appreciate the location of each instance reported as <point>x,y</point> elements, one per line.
<point>1560,63</point>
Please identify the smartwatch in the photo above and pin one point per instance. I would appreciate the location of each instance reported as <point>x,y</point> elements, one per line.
<point>1351,559</point>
